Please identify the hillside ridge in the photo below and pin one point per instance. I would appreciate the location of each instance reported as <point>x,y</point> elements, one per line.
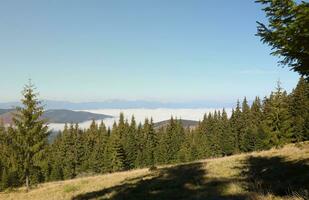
<point>253,175</point>
<point>57,116</point>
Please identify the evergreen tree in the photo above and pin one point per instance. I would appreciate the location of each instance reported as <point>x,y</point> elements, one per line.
<point>151,142</point>
<point>4,174</point>
<point>299,109</point>
<point>281,118</point>
<point>201,138</point>
<point>236,126</point>
<point>56,157</point>
<point>98,155</point>
<point>122,126</point>
<point>116,152</point>
<point>132,144</point>
<point>226,140</point>
<point>91,139</point>
<point>187,150</point>
<point>255,138</point>
<point>139,162</point>
<point>287,21</point>
<point>213,132</point>
<point>256,114</point>
<point>246,134</point>
<point>5,179</point>
<point>277,119</point>
<point>129,141</point>
<point>29,135</point>
<point>170,142</point>
<point>67,154</point>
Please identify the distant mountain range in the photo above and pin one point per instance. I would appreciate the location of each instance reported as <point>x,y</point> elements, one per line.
<point>57,116</point>
<point>123,104</point>
<point>2,111</point>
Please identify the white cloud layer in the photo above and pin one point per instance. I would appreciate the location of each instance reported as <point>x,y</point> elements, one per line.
<point>157,115</point>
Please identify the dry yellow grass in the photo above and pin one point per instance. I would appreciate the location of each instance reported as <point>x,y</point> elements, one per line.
<point>69,188</point>
<point>224,176</point>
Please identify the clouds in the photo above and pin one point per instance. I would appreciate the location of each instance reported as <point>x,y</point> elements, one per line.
<point>140,114</point>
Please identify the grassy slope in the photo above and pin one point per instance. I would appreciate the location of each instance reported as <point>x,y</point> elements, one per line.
<point>259,175</point>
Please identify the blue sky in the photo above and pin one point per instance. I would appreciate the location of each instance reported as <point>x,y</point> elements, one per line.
<point>166,50</point>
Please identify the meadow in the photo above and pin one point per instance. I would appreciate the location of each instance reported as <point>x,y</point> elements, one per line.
<point>279,173</point>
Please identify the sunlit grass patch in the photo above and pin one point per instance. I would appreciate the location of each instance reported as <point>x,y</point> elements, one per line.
<point>251,176</point>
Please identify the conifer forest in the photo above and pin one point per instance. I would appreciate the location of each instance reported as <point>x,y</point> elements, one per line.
<point>28,156</point>
<point>92,57</point>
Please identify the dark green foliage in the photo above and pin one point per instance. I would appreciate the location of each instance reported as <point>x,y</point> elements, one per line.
<point>277,122</point>
<point>29,138</point>
<point>299,109</point>
<point>246,125</point>
<point>9,179</point>
<point>151,142</point>
<point>97,159</point>
<point>91,139</point>
<point>236,126</point>
<point>116,155</point>
<point>73,152</point>
<point>139,162</point>
<point>188,149</point>
<point>131,143</point>
<point>214,134</point>
<point>170,140</point>
<point>287,32</point>
<point>279,119</point>
<point>227,141</point>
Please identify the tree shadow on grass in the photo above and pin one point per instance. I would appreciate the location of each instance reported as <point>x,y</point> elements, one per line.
<point>276,176</point>
<point>180,182</point>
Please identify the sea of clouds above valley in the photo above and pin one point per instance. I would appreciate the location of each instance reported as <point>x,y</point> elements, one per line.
<point>159,114</point>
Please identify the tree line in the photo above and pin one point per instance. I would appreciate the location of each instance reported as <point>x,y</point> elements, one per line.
<point>28,157</point>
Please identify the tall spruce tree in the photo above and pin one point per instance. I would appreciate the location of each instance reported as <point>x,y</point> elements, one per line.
<point>236,126</point>
<point>69,151</point>
<point>254,139</point>
<point>227,141</point>
<point>132,144</point>
<point>139,162</point>
<point>277,120</point>
<point>29,135</point>
<point>97,160</point>
<point>246,125</point>
<point>129,141</point>
<point>151,142</point>
<point>299,109</point>
<point>287,32</point>
<point>201,137</point>
<point>213,132</point>
<point>187,150</point>
<point>56,158</point>
<point>117,160</point>
<point>91,138</point>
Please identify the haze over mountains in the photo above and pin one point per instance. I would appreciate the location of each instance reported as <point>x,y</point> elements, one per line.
<point>60,112</point>
<point>125,104</point>
<point>57,116</point>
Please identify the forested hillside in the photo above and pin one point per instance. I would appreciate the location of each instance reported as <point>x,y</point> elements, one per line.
<point>56,116</point>
<point>247,176</point>
<point>157,50</point>
<point>278,119</point>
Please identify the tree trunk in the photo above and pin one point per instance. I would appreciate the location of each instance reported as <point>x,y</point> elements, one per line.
<point>27,183</point>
